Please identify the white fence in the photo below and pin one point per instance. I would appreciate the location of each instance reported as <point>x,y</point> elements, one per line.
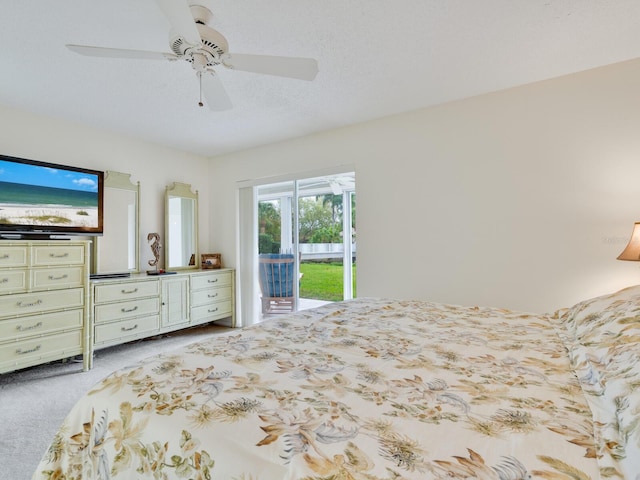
<point>317,251</point>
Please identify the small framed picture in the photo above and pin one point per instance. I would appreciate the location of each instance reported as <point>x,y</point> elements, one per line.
<point>211,260</point>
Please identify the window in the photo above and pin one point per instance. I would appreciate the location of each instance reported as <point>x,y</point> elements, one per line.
<point>313,218</point>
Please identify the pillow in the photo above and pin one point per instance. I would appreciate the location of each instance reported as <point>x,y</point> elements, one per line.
<point>603,319</point>
<point>602,336</point>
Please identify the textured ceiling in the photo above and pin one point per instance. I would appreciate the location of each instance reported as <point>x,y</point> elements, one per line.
<point>376,58</point>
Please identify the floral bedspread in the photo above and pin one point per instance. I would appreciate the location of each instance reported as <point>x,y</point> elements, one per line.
<point>367,389</point>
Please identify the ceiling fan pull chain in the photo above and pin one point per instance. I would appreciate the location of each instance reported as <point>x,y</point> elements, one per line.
<point>200,81</point>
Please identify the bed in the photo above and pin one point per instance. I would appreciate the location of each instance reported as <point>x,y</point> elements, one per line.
<point>375,389</point>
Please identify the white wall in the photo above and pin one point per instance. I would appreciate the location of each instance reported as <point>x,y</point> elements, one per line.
<point>520,199</point>
<point>40,138</point>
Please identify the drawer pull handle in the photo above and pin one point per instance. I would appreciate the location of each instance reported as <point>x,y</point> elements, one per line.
<point>213,311</point>
<point>62,255</point>
<point>213,296</point>
<point>215,280</point>
<point>125,329</point>
<point>27,305</point>
<point>4,280</point>
<point>124,310</point>
<point>62,277</point>
<point>20,328</point>
<point>128,291</point>
<point>4,256</point>
<point>19,351</point>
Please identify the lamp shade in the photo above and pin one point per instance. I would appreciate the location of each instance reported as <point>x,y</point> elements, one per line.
<point>632,250</point>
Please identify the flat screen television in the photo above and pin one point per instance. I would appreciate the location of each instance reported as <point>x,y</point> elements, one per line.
<point>47,200</point>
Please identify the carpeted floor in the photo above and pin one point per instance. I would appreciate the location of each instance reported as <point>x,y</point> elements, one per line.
<point>34,401</point>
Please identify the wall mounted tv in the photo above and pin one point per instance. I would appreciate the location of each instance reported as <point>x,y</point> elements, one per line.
<point>47,200</point>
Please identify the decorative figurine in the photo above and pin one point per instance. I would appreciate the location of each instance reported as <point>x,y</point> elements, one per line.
<point>155,248</point>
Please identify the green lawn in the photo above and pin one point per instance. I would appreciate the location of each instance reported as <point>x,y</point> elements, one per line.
<point>323,281</point>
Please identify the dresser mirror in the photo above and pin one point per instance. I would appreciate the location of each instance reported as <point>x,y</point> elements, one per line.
<point>118,249</point>
<point>181,227</point>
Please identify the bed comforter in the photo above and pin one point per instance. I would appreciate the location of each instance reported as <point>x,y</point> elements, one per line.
<point>374,389</point>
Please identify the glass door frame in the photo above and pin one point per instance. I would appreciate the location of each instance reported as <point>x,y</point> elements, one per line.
<point>248,305</point>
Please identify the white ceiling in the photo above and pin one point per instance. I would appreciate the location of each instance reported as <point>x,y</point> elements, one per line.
<point>376,58</point>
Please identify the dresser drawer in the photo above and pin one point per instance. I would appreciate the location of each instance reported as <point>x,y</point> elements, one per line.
<point>29,303</point>
<point>119,331</point>
<point>45,255</point>
<point>210,295</point>
<point>122,310</point>
<point>40,324</point>
<point>41,349</point>
<point>221,279</point>
<point>13,281</point>
<point>208,313</point>
<point>62,277</point>
<point>125,291</point>
<point>13,256</point>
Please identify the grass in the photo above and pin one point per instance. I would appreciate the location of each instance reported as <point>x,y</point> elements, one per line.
<point>323,281</point>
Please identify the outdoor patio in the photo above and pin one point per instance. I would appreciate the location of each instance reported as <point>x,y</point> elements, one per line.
<point>303,304</point>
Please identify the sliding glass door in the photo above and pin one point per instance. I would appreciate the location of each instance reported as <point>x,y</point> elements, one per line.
<point>312,219</point>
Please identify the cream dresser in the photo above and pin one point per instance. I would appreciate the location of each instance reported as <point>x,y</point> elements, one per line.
<point>44,302</point>
<point>212,295</point>
<point>141,305</point>
<point>125,309</point>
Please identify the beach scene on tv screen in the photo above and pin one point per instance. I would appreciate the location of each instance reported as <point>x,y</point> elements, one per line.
<point>49,197</point>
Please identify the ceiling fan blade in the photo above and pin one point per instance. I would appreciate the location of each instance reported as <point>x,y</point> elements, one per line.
<point>120,53</point>
<point>292,67</point>
<point>181,20</point>
<point>214,92</point>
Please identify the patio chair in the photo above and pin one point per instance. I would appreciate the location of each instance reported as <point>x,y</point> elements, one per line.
<point>276,282</point>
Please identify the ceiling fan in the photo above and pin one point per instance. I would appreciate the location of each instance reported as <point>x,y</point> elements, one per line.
<point>194,40</point>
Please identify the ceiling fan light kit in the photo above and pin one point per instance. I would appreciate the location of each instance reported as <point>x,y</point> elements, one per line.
<point>194,40</point>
